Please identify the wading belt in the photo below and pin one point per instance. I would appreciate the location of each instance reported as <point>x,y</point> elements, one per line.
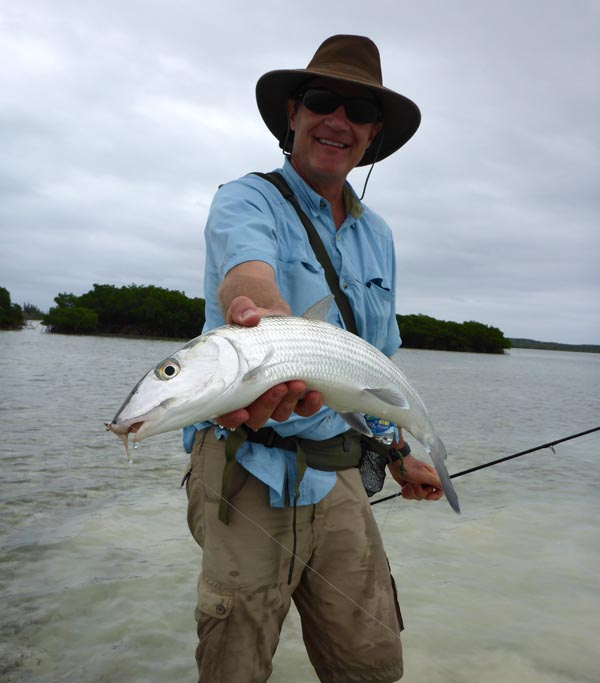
<point>338,453</point>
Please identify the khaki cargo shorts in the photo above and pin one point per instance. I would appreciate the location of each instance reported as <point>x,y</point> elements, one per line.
<point>341,584</point>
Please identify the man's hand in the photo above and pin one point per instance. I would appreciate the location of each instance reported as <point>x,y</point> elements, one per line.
<point>280,401</point>
<point>419,481</point>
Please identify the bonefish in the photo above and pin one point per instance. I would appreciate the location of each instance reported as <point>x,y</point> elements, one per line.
<point>231,366</point>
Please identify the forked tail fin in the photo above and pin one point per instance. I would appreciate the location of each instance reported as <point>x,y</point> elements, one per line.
<point>438,456</point>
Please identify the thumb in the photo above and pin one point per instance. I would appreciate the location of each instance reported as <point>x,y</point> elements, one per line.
<point>243,311</point>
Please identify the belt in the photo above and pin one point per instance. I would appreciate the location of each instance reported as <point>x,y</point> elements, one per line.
<point>339,452</point>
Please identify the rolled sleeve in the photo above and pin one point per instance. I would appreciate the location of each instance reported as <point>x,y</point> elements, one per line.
<point>240,228</point>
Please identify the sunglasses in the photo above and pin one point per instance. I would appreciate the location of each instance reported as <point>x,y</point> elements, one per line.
<point>358,109</point>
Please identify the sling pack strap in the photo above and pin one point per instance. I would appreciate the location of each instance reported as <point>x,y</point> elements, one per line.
<point>331,276</point>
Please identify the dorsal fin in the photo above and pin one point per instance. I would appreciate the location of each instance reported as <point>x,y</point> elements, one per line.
<point>319,310</point>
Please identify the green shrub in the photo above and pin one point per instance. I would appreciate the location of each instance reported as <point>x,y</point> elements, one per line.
<point>11,315</point>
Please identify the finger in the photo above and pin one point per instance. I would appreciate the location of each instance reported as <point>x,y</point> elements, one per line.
<point>408,492</point>
<point>412,492</point>
<point>234,419</point>
<point>243,311</point>
<point>433,483</point>
<point>310,404</point>
<point>262,409</point>
<point>295,390</point>
<point>429,477</point>
<point>421,492</point>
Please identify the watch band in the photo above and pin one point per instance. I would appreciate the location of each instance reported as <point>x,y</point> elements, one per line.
<point>399,453</point>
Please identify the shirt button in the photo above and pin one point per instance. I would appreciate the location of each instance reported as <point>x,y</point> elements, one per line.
<point>220,609</point>
<point>323,204</point>
<point>345,285</point>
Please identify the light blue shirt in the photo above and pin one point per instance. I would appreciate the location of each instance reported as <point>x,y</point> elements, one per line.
<point>249,220</point>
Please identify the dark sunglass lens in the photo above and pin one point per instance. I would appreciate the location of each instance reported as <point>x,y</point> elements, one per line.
<point>362,111</point>
<point>358,109</point>
<point>321,101</point>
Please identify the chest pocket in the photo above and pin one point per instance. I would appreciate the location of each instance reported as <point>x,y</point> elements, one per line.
<point>377,302</point>
<point>378,289</point>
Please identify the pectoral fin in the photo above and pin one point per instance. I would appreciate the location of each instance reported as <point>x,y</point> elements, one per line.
<point>391,397</point>
<point>259,371</point>
<point>357,421</point>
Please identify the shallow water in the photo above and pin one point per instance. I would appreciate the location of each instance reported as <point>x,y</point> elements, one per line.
<point>97,570</point>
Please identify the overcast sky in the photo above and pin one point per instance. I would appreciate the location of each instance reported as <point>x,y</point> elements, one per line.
<point>119,119</point>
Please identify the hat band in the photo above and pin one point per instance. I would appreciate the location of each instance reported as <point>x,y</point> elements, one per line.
<point>346,72</point>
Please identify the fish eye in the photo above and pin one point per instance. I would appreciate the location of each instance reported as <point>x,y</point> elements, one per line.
<point>167,369</point>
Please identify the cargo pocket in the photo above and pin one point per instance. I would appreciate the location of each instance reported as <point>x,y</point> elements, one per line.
<point>214,606</point>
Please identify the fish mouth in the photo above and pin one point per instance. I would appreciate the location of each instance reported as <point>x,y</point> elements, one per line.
<point>136,425</point>
<point>124,428</point>
<point>123,431</point>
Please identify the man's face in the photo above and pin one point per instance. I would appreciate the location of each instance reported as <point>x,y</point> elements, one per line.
<point>328,146</point>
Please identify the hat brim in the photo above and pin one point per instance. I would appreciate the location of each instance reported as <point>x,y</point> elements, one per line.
<point>401,116</point>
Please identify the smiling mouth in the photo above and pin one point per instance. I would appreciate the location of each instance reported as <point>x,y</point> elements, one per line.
<point>332,143</point>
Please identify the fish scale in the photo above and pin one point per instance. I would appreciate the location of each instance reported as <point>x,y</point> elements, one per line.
<point>319,352</point>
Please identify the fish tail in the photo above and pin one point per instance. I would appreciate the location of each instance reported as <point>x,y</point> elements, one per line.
<point>438,456</point>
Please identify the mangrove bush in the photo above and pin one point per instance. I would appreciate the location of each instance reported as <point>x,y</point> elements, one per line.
<point>137,310</point>
<point>11,315</point>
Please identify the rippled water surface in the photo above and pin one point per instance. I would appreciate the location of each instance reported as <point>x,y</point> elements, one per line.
<point>97,571</point>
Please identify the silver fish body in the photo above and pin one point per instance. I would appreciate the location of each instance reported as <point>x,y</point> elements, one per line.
<point>231,366</point>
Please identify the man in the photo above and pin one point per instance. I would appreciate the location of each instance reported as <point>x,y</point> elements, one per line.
<point>329,118</point>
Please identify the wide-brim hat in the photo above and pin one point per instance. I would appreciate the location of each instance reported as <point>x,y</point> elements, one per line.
<point>351,59</point>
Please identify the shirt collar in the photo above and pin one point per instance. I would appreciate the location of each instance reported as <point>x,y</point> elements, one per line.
<point>313,200</point>
<point>352,203</point>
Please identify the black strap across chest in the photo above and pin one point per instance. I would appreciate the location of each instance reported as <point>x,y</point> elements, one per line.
<point>331,276</point>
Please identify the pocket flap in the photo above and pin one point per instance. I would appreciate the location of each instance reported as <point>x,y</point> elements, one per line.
<point>213,601</point>
<point>377,284</point>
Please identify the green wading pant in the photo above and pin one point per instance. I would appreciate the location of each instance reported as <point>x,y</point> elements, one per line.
<point>346,596</point>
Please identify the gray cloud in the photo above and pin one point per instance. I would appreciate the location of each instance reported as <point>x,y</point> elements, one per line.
<point>119,120</point>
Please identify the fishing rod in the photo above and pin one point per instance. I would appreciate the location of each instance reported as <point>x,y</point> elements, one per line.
<point>550,444</point>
